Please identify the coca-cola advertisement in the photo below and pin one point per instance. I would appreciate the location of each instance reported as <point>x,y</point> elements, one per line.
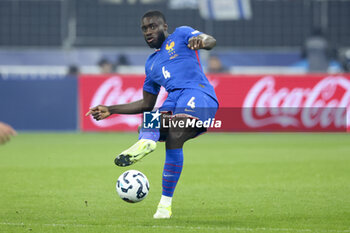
<point>111,90</point>
<point>310,103</point>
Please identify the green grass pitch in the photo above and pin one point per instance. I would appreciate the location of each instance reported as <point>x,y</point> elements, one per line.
<point>230,183</point>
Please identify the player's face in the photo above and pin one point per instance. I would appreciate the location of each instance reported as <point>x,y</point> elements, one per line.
<point>154,31</point>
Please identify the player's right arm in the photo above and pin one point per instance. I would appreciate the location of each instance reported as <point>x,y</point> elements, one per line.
<point>101,112</point>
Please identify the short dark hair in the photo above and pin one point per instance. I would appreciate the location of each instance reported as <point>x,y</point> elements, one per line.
<point>154,13</point>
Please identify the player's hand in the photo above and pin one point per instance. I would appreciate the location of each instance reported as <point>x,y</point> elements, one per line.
<point>195,43</point>
<point>6,132</point>
<point>99,112</point>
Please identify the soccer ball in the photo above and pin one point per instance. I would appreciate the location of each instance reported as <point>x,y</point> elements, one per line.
<point>132,186</point>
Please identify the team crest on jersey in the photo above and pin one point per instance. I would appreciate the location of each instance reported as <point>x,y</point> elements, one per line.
<point>171,50</point>
<point>170,46</point>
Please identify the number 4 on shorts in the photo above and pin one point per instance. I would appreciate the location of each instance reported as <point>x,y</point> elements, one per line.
<point>191,103</point>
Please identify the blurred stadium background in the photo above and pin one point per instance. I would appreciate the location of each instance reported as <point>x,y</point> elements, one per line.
<point>45,44</point>
<point>48,36</point>
<point>56,40</point>
<point>59,57</point>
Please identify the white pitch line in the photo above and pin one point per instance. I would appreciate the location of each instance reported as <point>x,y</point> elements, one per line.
<point>259,229</point>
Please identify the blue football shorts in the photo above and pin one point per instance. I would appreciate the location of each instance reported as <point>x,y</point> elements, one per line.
<point>191,103</point>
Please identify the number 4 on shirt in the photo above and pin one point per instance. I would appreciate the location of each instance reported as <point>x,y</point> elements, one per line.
<point>191,103</point>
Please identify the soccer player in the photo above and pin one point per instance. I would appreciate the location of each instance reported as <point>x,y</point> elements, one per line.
<point>175,65</point>
<point>6,132</point>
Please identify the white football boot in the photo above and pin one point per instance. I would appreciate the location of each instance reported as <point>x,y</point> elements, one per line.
<point>163,212</point>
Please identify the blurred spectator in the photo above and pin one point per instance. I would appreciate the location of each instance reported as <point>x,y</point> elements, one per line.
<point>6,132</point>
<point>121,61</point>
<point>316,51</point>
<point>215,65</point>
<point>106,67</point>
<point>73,70</point>
<point>345,61</point>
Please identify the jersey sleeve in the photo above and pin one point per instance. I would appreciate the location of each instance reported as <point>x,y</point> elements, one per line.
<point>188,32</point>
<point>150,86</point>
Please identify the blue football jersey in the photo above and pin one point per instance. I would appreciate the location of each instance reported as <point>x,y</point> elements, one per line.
<point>175,66</point>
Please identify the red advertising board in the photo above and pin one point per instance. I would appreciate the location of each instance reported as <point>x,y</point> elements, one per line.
<point>110,90</point>
<point>283,102</point>
<point>247,103</point>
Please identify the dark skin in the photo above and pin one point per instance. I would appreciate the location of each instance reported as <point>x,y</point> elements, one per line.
<point>155,32</point>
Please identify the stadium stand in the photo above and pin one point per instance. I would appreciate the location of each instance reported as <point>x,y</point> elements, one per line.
<point>48,36</point>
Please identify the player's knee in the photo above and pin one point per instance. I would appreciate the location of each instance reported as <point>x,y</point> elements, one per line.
<point>175,139</point>
<point>176,135</point>
<point>180,134</point>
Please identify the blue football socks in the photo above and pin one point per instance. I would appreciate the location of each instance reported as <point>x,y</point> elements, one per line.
<point>152,134</point>
<point>172,170</point>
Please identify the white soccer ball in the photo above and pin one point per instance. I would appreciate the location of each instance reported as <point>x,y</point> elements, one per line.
<point>132,186</point>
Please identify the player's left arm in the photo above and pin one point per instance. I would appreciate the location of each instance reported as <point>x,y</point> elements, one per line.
<point>202,41</point>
